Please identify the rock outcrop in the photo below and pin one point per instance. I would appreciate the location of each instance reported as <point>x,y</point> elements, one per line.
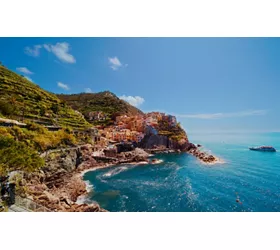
<point>160,143</point>
<point>136,155</point>
<point>203,156</point>
<point>157,141</point>
<point>58,184</point>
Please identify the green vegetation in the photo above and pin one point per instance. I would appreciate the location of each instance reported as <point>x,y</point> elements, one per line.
<point>175,133</point>
<point>39,138</point>
<point>20,147</point>
<point>105,101</point>
<point>16,155</point>
<point>23,100</point>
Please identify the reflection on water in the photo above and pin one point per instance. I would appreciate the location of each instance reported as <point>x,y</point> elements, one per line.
<point>182,183</point>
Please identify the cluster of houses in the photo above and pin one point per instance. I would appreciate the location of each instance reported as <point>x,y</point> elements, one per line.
<point>125,129</point>
<point>134,128</point>
<point>118,135</point>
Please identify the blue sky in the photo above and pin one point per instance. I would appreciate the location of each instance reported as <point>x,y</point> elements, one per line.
<point>211,84</point>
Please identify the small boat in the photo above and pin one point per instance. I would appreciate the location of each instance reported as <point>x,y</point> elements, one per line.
<point>264,149</point>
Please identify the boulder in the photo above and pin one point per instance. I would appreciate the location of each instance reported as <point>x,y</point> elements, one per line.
<point>51,198</point>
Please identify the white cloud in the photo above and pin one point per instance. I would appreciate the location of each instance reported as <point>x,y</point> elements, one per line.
<point>223,115</point>
<point>115,63</point>
<point>28,78</point>
<point>133,100</point>
<point>24,70</point>
<point>88,90</point>
<point>63,85</point>
<point>60,50</point>
<point>35,51</point>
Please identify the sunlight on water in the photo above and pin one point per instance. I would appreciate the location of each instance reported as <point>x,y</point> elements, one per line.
<point>181,183</point>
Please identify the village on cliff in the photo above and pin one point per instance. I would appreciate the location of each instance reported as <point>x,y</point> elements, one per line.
<point>132,128</point>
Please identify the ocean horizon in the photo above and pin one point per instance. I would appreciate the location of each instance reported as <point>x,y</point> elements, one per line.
<point>247,181</point>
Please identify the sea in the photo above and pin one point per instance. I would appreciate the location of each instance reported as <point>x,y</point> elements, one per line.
<point>246,181</point>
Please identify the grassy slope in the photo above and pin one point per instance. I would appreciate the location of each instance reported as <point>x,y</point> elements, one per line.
<point>20,98</point>
<point>175,133</point>
<point>105,101</point>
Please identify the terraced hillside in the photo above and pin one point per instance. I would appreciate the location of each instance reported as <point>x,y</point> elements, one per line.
<point>23,100</point>
<point>106,102</point>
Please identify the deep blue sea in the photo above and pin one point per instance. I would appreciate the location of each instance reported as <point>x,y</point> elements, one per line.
<point>182,183</point>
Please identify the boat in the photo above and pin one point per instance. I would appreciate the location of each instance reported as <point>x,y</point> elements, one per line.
<point>264,149</point>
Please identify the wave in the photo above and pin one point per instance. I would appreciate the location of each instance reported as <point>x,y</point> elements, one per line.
<point>89,186</point>
<point>84,199</point>
<point>115,171</point>
<point>157,161</point>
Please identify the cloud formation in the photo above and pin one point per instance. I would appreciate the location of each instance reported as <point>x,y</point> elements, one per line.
<point>115,63</point>
<point>223,115</point>
<point>133,100</point>
<point>88,90</point>
<point>35,51</point>
<point>63,85</point>
<point>24,70</point>
<point>60,50</point>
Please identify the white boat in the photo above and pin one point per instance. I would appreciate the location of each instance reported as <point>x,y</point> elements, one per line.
<point>264,149</point>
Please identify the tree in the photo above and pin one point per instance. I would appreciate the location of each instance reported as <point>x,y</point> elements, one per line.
<point>13,100</point>
<point>55,108</point>
<point>16,155</point>
<point>6,108</point>
<point>42,111</point>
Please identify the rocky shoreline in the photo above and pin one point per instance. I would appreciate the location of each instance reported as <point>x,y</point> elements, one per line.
<point>190,149</point>
<point>59,184</point>
<point>203,156</point>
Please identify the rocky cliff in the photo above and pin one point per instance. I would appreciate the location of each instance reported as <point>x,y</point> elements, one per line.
<point>59,183</point>
<point>163,141</point>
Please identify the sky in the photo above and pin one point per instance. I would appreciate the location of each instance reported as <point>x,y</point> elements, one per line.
<point>210,84</point>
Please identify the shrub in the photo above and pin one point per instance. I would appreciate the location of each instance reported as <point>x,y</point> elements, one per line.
<point>55,108</point>
<point>6,108</point>
<point>16,155</point>
<point>36,127</point>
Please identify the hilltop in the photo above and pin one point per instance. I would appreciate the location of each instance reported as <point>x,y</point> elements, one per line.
<point>21,99</point>
<point>106,102</point>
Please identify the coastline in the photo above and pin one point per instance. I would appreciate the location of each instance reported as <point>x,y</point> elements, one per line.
<point>83,197</point>
<point>62,187</point>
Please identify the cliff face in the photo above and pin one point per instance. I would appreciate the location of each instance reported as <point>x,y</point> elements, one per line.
<point>166,134</point>
<point>150,141</point>
<point>157,141</point>
<point>58,184</point>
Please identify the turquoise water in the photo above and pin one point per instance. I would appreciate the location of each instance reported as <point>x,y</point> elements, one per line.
<point>182,183</point>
